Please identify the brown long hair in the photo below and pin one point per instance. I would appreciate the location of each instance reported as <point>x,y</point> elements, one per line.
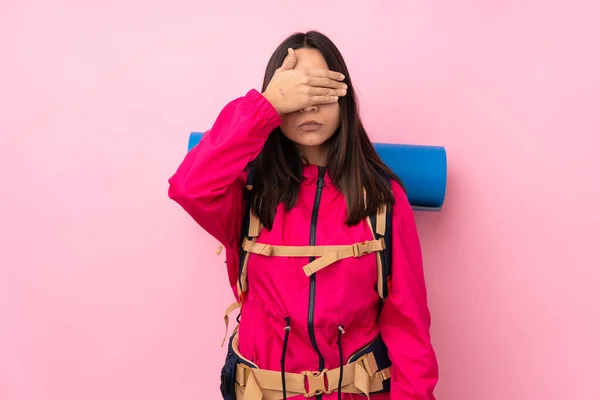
<point>352,161</point>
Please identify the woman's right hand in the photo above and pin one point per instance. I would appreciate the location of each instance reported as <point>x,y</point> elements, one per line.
<point>294,89</point>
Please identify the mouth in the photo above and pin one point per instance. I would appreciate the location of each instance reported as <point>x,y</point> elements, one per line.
<point>310,126</point>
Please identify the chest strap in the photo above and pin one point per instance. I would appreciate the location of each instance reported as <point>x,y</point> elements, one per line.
<point>328,254</point>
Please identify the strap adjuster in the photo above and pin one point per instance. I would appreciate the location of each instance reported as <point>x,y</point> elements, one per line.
<point>315,381</point>
<point>369,363</point>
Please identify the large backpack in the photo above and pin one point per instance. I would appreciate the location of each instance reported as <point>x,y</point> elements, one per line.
<point>372,365</point>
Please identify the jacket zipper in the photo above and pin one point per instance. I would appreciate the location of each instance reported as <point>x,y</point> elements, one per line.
<point>313,277</point>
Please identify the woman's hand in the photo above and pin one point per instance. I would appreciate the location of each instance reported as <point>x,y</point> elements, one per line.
<point>294,89</point>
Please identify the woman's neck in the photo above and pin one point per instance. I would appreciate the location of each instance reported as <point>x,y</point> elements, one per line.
<point>314,155</point>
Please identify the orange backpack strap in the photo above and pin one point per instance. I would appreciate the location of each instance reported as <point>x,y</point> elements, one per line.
<point>327,254</point>
<point>234,306</point>
<point>251,227</point>
<point>381,225</point>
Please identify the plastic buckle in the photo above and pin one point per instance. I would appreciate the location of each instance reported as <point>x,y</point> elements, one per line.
<point>360,249</point>
<point>315,381</point>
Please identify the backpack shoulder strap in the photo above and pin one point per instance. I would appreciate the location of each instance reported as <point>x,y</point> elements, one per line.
<point>250,230</point>
<point>381,223</point>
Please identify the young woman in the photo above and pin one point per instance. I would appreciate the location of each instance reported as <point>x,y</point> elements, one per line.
<point>288,181</point>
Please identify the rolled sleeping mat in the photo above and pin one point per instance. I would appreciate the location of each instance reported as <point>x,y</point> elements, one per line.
<point>422,169</point>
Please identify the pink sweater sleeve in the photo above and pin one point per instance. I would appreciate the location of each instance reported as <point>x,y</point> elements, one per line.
<point>210,181</point>
<point>405,318</point>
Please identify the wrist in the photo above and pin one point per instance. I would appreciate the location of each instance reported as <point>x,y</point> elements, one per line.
<point>269,97</point>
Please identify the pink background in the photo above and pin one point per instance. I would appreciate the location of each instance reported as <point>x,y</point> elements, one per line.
<point>109,291</point>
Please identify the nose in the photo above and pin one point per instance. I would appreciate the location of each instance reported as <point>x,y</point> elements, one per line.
<point>308,109</point>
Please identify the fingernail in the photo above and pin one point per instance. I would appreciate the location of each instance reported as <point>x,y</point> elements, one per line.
<point>345,86</point>
<point>342,76</point>
<point>343,91</point>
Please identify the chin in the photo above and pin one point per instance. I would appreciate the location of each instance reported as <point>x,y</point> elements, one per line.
<point>312,139</point>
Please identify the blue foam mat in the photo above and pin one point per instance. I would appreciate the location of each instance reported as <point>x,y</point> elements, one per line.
<point>422,169</point>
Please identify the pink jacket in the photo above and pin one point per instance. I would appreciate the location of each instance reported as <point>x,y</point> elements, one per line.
<point>209,185</point>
